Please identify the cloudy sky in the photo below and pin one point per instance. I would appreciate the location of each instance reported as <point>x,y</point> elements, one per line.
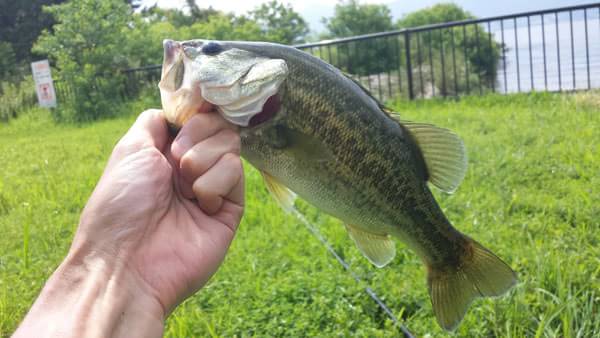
<point>314,10</point>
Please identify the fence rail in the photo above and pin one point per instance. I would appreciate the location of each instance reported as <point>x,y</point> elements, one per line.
<point>552,50</point>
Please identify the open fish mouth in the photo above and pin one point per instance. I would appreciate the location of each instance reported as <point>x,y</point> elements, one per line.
<point>199,76</point>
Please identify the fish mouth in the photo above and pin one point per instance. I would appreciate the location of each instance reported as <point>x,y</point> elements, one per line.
<point>180,101</point>
<point>200,76</point>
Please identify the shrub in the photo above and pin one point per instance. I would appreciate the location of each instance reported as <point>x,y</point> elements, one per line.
<point>88,47</point>
<point>15,97</point>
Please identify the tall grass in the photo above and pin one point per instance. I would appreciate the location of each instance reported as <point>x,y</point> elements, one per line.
<point>16,97</point>
<point>530,195</point>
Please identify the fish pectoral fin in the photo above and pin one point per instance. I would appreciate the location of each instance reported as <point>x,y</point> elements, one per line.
<point>282,194</point>
<point>444,154</point>
<point>379,249</point>
<point>308,147</point>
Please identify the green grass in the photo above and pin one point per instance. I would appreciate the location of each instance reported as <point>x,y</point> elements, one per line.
<point>531,195</point>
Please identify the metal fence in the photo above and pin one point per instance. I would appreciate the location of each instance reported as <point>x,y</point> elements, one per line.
<point>552,50</point>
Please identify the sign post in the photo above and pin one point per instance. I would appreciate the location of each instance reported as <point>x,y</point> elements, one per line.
<point>43,84</point>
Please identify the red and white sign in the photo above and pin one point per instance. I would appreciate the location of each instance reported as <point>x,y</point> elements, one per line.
<point>43,83</point>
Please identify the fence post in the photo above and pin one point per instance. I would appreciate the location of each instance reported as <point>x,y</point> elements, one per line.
<point>409,74</point>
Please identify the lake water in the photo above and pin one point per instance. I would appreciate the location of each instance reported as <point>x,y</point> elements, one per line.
<point>564,47</point>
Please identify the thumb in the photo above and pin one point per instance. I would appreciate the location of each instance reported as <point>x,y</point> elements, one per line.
<point>149,130</point>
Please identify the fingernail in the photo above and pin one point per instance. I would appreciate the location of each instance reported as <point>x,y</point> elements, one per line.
<point>180,146</point>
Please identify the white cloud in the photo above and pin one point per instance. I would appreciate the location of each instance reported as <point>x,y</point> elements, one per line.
<point>311,10</point>
<point>242,6</point>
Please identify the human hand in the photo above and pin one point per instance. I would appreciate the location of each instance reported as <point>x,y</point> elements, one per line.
<point>160,220</point>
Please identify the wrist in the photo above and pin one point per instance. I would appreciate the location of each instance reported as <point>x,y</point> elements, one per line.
<point>91,295</point>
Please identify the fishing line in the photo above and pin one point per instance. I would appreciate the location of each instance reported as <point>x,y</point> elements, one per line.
<point>313,229</point>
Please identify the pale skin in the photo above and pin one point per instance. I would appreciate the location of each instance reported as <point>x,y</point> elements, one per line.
<point>155,229</point>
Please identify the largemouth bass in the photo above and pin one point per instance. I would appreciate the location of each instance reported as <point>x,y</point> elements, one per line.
<point>314,132</point>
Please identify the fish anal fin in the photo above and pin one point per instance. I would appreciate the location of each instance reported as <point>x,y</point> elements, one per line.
<point>282,194</point>
<point>444,154</point>
<point>378,249</point>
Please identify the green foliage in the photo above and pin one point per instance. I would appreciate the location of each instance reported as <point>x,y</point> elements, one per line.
<point>279,23</point>
<point>366,57</point>
<point>22,22</point>
<point>439,13</point>
<point>353,18</point>
<point>473,44</point>
<point>179,17</point>
<point>14,96</point>
<point>530,195</point>
<point>88,47</point>
<point>93,42</point>
<point>145,41</point>
<point>8,61</point>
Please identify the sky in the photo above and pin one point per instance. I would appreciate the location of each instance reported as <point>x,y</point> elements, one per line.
<point>314,10</point>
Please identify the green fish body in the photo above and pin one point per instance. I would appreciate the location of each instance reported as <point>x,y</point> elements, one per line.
<point>323,137</point>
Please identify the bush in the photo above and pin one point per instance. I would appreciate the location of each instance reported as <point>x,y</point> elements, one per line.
<point>88,47</point>
<point>16,97</point>
<point>7,61</point>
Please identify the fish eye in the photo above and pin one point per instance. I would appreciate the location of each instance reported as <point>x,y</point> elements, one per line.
<point>212,48</point>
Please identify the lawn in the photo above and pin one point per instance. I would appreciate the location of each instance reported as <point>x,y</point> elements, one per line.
<point>531,195</point>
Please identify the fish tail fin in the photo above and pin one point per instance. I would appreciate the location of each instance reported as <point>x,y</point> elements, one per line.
<point>479,273</point>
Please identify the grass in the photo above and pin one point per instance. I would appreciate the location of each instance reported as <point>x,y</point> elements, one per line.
<point>531,195</point>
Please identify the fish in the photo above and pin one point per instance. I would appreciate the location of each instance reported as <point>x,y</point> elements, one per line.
<point>314,132</point>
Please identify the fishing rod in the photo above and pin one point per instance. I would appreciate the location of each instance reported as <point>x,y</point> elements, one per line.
<point>313,229</point>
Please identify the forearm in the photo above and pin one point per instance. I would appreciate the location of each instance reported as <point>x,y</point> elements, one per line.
<point>87,297</point>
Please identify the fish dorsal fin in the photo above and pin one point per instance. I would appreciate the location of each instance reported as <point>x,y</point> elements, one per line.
<point>444,153</point>
<point>284,196</point>
<point>379,249</point>
<point>368,92</point>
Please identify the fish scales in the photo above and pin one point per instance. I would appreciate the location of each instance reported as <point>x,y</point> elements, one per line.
<point>368,158</point>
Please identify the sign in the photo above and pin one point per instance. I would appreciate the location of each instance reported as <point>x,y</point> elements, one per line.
<point>43,84</point>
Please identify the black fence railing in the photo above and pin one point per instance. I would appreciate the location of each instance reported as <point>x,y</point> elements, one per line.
<point>551,50</point>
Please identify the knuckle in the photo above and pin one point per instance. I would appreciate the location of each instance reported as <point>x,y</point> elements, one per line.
<point>150,113</point>
<point>208,199</point>
<point>201,119</point>
<point>186,161</point>
<point>233,139</point>
<point>203,191</point>
<point>232,160</point>
<point>189,165</point>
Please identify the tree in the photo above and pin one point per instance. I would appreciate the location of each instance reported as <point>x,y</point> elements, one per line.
<point>22,21</point>
<point>8,61</point>
<point>482,55</point>
<point>20,24</point>
<point>178,17</point>
<point>352,18</point>
<point>440,13</point>
<point>361,57</point>
<point>280,23</point>
<point>88,47</point>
